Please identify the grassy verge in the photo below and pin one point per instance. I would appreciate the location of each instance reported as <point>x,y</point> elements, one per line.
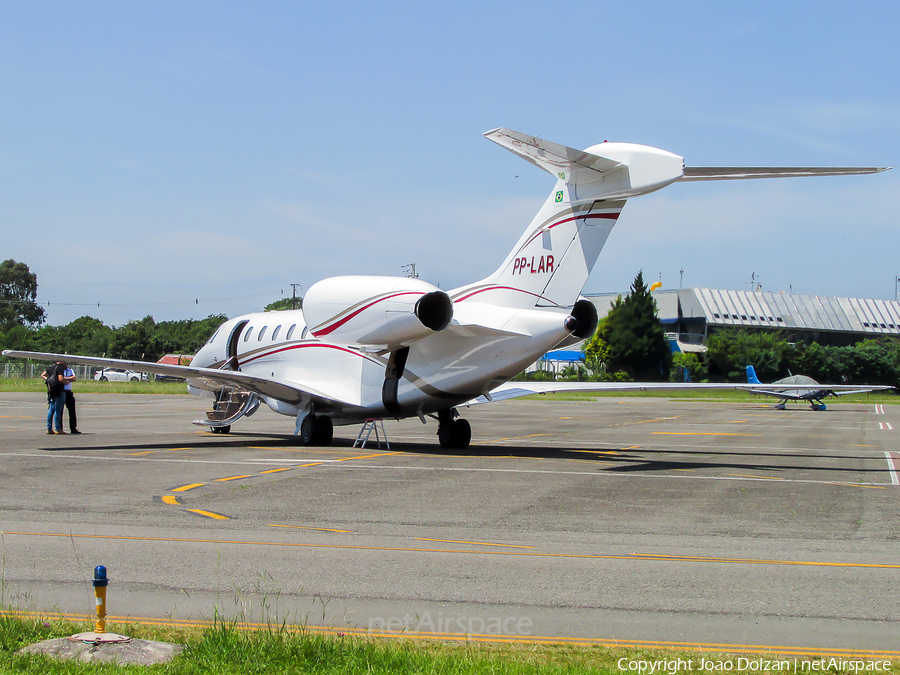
<point>224,648</point>
<point>94,387</point>
<point>727,395</point>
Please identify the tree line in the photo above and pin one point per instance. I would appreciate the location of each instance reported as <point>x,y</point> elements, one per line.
<point>22,326</point>
<point>629,343</point>
<point>143,340</point>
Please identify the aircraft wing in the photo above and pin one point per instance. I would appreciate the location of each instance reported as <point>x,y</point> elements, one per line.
<point>283,391</point>
<point>512,390</point>
<point>516,389</point>
<point>694,173</point>
<point>801,392</point>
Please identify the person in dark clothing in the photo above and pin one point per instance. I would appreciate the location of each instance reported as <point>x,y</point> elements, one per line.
<point>56,396</point>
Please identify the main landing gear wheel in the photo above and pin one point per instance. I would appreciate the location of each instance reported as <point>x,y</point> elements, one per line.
<point>316,431</point>
<point>221,430</point>
<point>455,434</point>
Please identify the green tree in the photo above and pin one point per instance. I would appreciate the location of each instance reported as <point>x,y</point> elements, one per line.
<point>186,336</point>
<point>597,350</point>
<point>19,338</point>
<point>815,361</point>
<point>136,340</point>
<point>85,335</point>
<point>635,335</point>
<point>284,303</point>
<point>731,351</point>
<point>694,364</point>
<point>18,292</point>
<point>873,361</point>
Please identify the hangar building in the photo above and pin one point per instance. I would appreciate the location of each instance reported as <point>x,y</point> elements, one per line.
<point>691,315</point>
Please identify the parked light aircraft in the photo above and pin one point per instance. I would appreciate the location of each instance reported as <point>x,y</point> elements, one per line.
<point>367,347</point>
<point>814,392</point>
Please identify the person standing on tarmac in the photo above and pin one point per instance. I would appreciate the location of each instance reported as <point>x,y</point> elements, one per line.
<point>69,378</point>
<point>56,396</point>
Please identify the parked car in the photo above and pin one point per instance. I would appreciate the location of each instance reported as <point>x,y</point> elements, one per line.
<point>119,375</point>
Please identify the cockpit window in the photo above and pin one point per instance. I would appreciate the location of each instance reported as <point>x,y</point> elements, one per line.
<point>210,341</point>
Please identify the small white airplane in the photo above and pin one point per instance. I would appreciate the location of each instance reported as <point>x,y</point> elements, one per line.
<point>366,348</point>
<point>813,392</point>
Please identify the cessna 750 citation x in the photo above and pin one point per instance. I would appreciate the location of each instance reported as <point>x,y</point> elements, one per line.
<point>366,347</point>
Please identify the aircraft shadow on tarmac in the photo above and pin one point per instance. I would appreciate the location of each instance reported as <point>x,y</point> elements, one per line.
<point>626,460</point>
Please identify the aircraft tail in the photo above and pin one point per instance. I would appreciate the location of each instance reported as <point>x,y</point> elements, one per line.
<point>553,258</point>
<point>751,376</point>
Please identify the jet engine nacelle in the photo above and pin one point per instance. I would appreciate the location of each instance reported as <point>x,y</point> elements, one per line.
<point>385,312</point>
<point>585,323</point>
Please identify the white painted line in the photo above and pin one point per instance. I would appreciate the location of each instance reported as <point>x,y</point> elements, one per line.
<point>885,425</point>
<point>879,409</point>
<point>893,468</point>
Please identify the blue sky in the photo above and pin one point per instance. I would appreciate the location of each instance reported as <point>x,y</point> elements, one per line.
<point>181,159</point>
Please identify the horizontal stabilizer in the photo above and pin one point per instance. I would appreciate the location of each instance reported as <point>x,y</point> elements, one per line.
<point>695,173</point>
<point>559,160</point>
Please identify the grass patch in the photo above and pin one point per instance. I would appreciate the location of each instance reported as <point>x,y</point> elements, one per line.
<point>726,395</point>
<point>224,648</point>
<point>32,385</point>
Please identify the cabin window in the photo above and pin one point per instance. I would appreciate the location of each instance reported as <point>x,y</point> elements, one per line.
<point>248,333</point>
<point>262,334</point>
<point>290,332</point>
<point>275,332</point>
<point>305,331</point>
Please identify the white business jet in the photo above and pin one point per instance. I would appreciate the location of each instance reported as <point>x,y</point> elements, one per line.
<point>367,348</point>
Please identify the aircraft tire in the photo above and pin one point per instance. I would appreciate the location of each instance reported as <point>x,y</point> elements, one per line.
<point>224,430</point>
<point>445,434</point>
<point>462,434</point>
<point>104,379</point>
<point>323,431</point>
<point>308,430</point>
<point>455,434</point>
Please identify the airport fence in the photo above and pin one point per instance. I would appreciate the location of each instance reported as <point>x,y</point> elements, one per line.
<point>33,369</point>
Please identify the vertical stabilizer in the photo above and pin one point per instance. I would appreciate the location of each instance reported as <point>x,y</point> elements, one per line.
<point>553,258</point>
<point>751,376</point>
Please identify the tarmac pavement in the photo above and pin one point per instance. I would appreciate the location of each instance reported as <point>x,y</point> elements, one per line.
<point>621,520</point>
